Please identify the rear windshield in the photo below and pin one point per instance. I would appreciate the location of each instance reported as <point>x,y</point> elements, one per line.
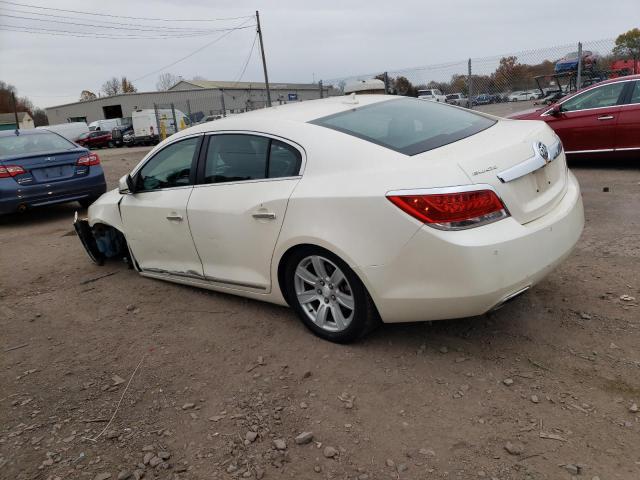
<point>31,144</point>
<point>407,125</point>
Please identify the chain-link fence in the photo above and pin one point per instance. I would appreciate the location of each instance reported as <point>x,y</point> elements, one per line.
<point>533,76</point>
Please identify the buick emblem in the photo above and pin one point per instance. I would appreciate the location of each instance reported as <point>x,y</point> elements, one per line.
<point>542,150</point>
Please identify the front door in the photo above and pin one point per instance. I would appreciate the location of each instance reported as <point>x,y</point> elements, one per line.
<point>587,121</point>
<point>155,216</point>
<point>237,210</point>
<point>628,128</point>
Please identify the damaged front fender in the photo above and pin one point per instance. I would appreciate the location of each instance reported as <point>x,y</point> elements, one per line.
<point>85,234</point>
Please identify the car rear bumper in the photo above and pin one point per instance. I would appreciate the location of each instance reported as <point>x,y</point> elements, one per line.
<point>14,196</point>
<point>441,275</point>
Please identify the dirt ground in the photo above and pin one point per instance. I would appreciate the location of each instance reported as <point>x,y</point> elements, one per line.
<point>546,388</point>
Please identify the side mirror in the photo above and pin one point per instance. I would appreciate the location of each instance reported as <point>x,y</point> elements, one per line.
<point>126,185</point>
<point>556,110</point>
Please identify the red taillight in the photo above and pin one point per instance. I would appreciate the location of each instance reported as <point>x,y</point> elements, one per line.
<point>7,171</point>
<point>453,211</point>
<point>88,160</point>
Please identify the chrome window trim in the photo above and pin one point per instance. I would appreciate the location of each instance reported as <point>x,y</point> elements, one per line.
<point>154,152</point>
<point>604,150</point>
<point>255,180</point>
<point>297,146</point>
<point>531,164</point>
<point>546,113</point>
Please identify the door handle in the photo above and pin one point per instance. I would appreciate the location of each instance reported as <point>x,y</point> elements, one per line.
<point>264,215</point>
<point>174,216</point>
<point>606,117</point>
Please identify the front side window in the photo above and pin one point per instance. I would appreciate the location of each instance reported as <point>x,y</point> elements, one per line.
<point>170,167</point>
<point>599,97</point>
<point>240,157</point>
<point>407,125</point>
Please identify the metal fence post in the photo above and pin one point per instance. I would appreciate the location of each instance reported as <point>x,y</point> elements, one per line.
<point>155,108</point>
<point>189,111</point>
<point>470,85</point>
<point>579,76</point>
<point>224,109</point>
<point>175,122</point>
<point>321,92</point>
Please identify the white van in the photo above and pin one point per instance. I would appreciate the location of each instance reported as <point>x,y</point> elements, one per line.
<point>70,131</point>
<point>432,94</point>
<point>146,128</point>
<point>105,125</point>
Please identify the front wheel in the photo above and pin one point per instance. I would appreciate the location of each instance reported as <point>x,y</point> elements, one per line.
<point>328,296</point>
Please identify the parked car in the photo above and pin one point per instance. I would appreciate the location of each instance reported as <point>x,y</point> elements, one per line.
<point>432,94</point>
<point>39,167</point>
<point>389,208</point>
<point>458,99</point>
<point>118,133</point>
<point>602,119</point>
<point>551,96</point>
<point>105,125</point>
<point>70,131</point>
<point>522,96</point>
<point>483,99</point>
<point>95,139</point>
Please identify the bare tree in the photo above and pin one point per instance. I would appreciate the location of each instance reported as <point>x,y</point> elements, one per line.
<point>87,95</point>
<point>112,87</point>
<point>126,86</point>
<point>166,81</point>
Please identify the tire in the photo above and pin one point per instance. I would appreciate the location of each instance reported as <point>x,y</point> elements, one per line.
<point>110,145</point>
<point>339,313</point>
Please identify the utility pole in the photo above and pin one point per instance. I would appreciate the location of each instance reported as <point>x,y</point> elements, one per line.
<point>15,110</point>
<point>264,62</point>
<point>579,77</point>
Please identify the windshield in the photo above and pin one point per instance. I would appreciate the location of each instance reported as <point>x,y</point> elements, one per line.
<point>34,143</point>
<point>407,125</point>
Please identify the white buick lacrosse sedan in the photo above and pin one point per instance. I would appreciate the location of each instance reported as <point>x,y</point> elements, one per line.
<point>351,210</point>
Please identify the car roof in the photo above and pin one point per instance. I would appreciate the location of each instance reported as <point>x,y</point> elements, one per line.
<point>301,112</point>
<point>29,131</point>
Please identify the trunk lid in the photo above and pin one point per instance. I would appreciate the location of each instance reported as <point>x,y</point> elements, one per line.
<point>46,168</point>
<point>530,186</point>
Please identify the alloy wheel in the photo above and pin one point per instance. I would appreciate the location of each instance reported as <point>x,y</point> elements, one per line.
<point>324,293</point>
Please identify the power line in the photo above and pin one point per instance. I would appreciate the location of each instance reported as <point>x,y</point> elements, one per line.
<point>242,25</point>
<point>68,33</point>
<point>124,16</point>
<point>103,26</point>
<point>159,28</point>
<point>248,58</point>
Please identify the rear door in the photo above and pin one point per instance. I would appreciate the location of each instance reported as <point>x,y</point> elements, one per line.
<point>587,121</point>
<point>237,210</point>
<point>628,127</point>
<point>155,217</point>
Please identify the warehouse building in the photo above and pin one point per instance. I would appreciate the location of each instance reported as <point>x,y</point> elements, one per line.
<point>8,121</point>
<point>195,98</point>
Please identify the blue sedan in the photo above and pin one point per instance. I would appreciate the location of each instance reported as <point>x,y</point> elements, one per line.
<point>39,167</point>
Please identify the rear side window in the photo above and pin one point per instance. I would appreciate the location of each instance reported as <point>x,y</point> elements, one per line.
<point>407,125</point>
<point>29,144</point>
<point>240,157</point>
<point>635,95</point>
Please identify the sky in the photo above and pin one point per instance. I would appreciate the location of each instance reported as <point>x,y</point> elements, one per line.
<point>304,41</point>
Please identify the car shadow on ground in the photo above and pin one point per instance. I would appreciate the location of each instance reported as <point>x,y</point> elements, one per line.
<point>42,215</point>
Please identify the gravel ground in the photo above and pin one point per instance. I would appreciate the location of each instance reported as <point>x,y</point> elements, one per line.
<point>546,388</point>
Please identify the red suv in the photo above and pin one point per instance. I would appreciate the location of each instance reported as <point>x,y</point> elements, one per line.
<point>95,139</point>
<point>603,118</point>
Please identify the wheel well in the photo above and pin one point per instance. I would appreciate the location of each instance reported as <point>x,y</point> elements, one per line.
<point>296,248</point>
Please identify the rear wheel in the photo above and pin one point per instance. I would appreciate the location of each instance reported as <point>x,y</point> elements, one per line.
<point>110,145</point>
<point>328,296</point>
